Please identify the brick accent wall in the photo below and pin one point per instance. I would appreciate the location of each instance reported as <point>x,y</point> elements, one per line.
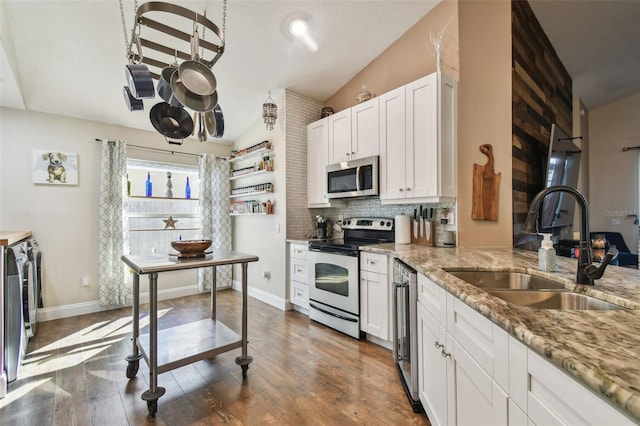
<point>541,96</point>
<point>300,111</point>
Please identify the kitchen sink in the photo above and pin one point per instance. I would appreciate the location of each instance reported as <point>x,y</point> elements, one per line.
<point>553,299</point>
<point>506,280</point>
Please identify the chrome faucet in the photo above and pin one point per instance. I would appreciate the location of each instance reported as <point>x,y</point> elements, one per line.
<point>587,272</point>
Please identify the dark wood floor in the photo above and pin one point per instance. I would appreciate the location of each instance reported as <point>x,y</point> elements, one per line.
<point>303,374</point>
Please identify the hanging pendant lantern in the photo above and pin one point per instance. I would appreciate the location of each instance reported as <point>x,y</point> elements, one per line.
<point>269,112</point>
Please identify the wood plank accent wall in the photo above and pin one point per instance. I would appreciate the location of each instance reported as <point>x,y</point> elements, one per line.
<point>541,96</point>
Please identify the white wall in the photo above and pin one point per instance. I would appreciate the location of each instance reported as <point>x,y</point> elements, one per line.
<point>264,235</point>
<point>613,174</point>
<point>64,219</point>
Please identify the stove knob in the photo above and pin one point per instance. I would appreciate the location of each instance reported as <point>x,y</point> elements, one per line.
<point>381,223</point>
<point>389,224</point>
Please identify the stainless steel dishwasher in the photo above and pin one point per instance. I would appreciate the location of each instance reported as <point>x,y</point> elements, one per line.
<point>405,339</point>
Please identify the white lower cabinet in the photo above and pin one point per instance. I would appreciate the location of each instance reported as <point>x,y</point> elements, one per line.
<point>454,387</point>
<point>471,372</point>
<point>374,295</point>
<point>436,369</point>
<point>298,285</point>
<point>478,398</point>
<point>517,417</point>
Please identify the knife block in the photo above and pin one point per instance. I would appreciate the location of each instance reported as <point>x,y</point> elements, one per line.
<point>426,237</point>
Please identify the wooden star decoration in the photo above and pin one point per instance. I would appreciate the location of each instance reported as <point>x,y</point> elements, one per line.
<point>170,223</point>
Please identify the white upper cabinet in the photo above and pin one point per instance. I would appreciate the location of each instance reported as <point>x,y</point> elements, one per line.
<point>317,160</point>
<point>354,132</point>
<point>365,130</point>
<point>340,136</point>
<point>393,149</point>
<point>419,161</point>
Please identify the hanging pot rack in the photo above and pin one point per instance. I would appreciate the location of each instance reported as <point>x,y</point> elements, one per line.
<point>145,47</point>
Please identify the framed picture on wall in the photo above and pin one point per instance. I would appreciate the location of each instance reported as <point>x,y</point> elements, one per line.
<point>55,168</point>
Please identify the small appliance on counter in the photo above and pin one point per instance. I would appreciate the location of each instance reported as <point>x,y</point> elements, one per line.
<point>321,227</point>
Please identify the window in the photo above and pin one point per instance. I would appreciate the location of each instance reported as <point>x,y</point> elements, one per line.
<point>157,220</point>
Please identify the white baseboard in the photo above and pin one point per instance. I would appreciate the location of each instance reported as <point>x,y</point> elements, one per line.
<point>75,309</point>
<point>265,297</point>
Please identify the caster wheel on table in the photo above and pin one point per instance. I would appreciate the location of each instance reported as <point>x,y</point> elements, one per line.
<point>132,369</point>
<point>152,406</point>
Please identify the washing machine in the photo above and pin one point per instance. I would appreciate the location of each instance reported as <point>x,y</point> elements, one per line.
<point>19,273</point>
<point>32,289</point>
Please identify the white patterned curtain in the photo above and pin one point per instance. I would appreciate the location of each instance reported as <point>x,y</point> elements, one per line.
<point>215,221</point>
<point>113,227</point>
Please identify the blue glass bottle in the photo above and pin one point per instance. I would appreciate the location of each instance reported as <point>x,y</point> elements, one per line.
<point>149,185</point>
<point>187,189</point>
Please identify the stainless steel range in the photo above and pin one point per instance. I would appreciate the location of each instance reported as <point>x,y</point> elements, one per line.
<point>334,272</point>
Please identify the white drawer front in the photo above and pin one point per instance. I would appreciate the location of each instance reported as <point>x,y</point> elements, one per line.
<point>300,294</point>
<point>556,398</point>
<point>299,251</point>
<point>299,270</point>
<point>487,344</point>
<point>433,298</point>
<point>373,262</point>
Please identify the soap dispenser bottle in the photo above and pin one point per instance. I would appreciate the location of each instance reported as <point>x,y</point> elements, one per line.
<point>546,254</point>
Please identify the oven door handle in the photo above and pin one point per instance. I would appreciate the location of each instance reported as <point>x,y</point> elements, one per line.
<point>313,305</point>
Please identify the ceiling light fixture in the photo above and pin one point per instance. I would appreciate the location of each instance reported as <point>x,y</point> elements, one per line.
<point>298,27</point>
<point>269,112</point>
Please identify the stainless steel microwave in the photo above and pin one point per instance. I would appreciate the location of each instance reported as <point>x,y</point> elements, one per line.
<point>355,178</point>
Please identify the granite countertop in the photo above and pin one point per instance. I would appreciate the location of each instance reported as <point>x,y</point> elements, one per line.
<point>11,237</point>
<point>601,349</point>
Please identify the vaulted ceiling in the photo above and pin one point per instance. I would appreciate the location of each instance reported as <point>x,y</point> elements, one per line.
<point>68,57</point>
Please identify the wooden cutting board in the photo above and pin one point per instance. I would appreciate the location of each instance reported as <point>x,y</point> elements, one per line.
<point>486,184</point>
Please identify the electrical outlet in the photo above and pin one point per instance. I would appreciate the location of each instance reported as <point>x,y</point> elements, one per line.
<point>85,280</point>
<point>266,275</point>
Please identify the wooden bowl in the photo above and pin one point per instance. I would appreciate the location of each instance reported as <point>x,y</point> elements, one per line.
<point>190,247</point>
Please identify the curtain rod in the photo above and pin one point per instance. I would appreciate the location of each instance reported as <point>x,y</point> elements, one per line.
<point>631,148</point>
<point>162,150</point>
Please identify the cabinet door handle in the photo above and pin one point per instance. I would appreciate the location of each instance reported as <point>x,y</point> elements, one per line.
<point>401,190</point>
<point>408,189</point>
<point>439,345</point>
<point>445,354</point>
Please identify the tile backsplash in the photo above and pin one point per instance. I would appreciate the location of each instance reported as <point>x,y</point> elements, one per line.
<point>371,207</point>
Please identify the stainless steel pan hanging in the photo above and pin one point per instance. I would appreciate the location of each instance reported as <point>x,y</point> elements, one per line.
<point>164,86</point>
<point>138,76</point>
<point>210,122</point>
<point>132,103</point>
<point>173,123</point>
<point>217,112</point>
<point>192,100</point>
<point>195,76</point>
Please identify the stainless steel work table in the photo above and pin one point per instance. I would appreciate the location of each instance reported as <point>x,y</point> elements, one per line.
<point>187,343</point>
